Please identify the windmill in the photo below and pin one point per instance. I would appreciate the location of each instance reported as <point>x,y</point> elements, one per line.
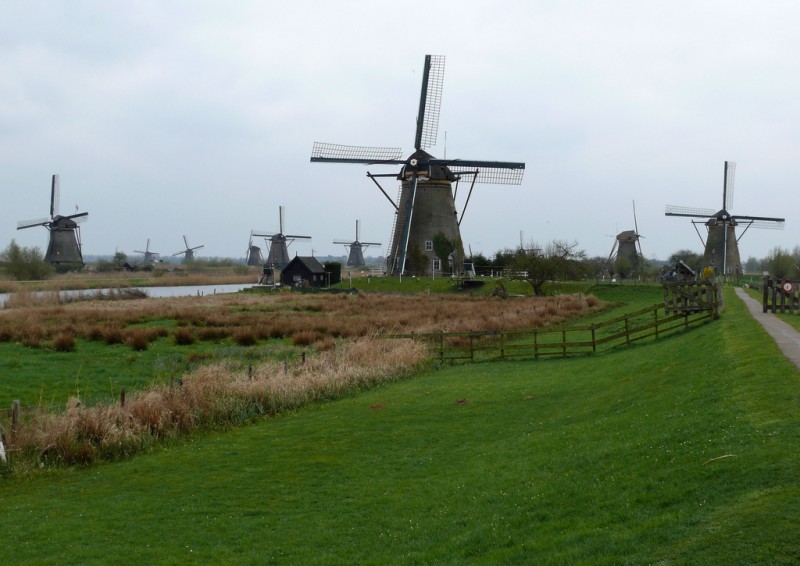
<point>627,246</point>
<point>253,255</point>
<point>426,205</point>
<point>279,244</point>
<point>149,257</point>
<point>64,247</point>
<point>356,256</point>
<point>188,253</point>
<point>721,244</point>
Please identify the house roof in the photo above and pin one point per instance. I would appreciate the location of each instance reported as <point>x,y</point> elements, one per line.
<point>311,263</point>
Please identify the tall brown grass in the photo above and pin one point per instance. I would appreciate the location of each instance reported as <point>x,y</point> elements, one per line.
<point>218,394</point>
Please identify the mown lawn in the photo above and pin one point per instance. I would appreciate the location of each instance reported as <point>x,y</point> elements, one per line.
<point>680,452</point>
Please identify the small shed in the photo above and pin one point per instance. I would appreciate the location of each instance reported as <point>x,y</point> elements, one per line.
<point>302,271</point>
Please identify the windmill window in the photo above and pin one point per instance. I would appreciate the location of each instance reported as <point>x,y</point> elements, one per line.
<point>437,264</point>
<point>428,245</point>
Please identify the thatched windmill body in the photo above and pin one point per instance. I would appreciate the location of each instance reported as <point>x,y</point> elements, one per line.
<point>149,257</point>
<point>426,205</point>
<point>721,243</point>
<point>355,256</point>
<point>253,255</point>
<point>279,244</point>
<point>627,246</point>
<point>188,252</point>
<point>64,247</point>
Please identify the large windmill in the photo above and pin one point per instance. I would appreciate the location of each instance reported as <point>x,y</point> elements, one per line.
<point>721,244</point>
<point>279,244</point>
<point>355,258</point>
<point>188,253</point>
<point>426,206</point>
<point>627,246</point>
<point>253,256</point>
<point>64,248</point>
<point>149,257</point>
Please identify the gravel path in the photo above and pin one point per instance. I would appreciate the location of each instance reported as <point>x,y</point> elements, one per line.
<point>786,337</point>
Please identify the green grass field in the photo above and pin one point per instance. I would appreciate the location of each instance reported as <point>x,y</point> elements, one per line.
<point>679,452</point>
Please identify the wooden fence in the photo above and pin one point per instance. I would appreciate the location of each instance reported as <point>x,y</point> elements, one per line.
<point>651,322</point>
<point>781,295</point>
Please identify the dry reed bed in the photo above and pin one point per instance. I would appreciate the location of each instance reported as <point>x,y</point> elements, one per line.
<point>215,395</point>
<point>305,318</point>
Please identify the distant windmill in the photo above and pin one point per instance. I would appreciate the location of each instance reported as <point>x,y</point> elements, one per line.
<point>627,245</point>
<point>426,204</point>
<point>188,253</point>
<point>279,244</point>
<point>149,257</point>
<point>64,247</point>
<point>253,255</point>
<point>721,244</point>
<point>356,256</point>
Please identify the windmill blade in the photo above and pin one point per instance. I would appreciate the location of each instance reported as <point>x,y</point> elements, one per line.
<point>195,248</point>
<point>297,237</point>
<point>21,225</point>
<point>55,195</point>
<point>280,219</point>
<point>430,101</point>
<point>77,218</point>
<point>186,242</point>
<point>261,234</point>
<point>489,172</point>
<point>370,243</point>
<point>358,222</point>
<point>727,187</point>
<point>409,212</point>
<point>636,231</point>
<point>762,221</point>
<point>337,153</point>
<point>672,210</point>
<point>342,242</point>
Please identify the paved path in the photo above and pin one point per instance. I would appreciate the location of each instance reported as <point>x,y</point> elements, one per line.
<point>786,337</point>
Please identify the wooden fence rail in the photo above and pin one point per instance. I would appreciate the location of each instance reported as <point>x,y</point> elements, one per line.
<point>650,322</point>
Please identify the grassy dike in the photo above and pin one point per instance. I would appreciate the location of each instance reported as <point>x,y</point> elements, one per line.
<point>683,451</point>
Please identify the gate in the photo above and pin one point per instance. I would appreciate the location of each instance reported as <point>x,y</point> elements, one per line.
<point>781,295</point>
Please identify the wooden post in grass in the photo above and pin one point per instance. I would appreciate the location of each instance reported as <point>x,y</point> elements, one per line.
<point>594,340</point>
<point>563,342</point>
<point>655,314</point>
<point>122,397</point>
<point>14,419</point>
<point>441,347</point>
<point>627,333</point>
<point>303,358</point>
<point>471,348</point>
<point>250,371</point>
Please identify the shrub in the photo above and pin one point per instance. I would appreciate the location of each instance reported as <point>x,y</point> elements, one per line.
<point>183,337</point>
<point>245,337</point>
<point>64,342</point>
<point>306,337</point>
<point>138,339</point>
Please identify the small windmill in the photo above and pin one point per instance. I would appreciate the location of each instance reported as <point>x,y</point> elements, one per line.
<point>149,257</point>
<point>188,253</point>
<point>64,247</point>
<point>721,244</point>
<point>356,256</point>
<point>627,246</point>
<point>253,255</point>
<point>279,244</point>
<point>426,204</point>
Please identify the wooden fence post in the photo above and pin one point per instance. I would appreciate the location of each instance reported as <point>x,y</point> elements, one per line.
<point>14,419</point>
<point>655,315</point>
<point>594,340</point>
<point>441,347</point>
<point>563,342</point>
<point>535,345</point>
<point>122,397</point>
<point>627,332</point>
<point>471,348</point>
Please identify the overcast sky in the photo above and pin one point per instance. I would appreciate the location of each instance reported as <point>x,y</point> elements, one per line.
<point>198,118</point>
